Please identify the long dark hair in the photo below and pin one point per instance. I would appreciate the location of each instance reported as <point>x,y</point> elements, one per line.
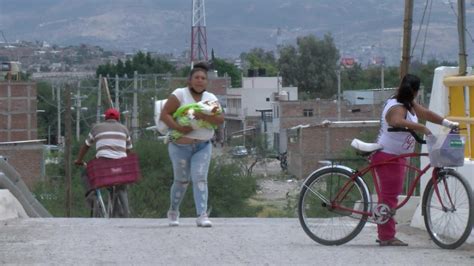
<point>201,66</point>
<point>409,86</point>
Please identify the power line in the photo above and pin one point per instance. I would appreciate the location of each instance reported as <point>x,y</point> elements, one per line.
<point>426,32</point>
<point>6,41</point>
<point>456,15</point>
<point>420,27</point>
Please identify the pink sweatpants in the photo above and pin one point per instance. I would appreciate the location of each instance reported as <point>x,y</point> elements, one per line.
<point>390,178</point>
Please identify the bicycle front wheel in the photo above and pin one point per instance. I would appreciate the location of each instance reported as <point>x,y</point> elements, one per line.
<point>449,217</point>
<point>326,204</point>
<point>98,206</point>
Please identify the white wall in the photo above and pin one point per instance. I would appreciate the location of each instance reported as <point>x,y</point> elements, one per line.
<point>366,95</point>
<point>256,91</point>
<point>439,104</point>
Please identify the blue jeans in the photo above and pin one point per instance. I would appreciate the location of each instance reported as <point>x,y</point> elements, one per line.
<point>190,163</point>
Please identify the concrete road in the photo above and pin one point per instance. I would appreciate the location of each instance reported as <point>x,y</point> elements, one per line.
<point>231,241</point>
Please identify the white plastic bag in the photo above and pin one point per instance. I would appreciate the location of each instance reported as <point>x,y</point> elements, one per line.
<point>160,125</point>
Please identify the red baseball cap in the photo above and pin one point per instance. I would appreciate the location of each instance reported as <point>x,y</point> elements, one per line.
<point>112,113</point>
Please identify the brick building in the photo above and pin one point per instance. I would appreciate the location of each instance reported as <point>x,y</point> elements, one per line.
<point>18,130</point>
<point>311,144</point>
<point>288,114</point>
<point>17,111</point>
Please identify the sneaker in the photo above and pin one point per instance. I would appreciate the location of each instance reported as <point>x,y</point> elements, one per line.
<point>173,218</point>
<point>392,242</point>
<point>203,221</point>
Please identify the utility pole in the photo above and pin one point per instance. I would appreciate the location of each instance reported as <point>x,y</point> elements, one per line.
<point>67,149</point>
<point>407,24</point>
<point>99,99</point>
<point>58,95</point>
<point>462,38</point>
<point>78,111</point>
<point>117,103</point>
<point>338,71</point>
<point>135,106</point>
<point>382,76</point>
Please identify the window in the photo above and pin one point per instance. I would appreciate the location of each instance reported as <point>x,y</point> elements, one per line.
<point>308,112</point>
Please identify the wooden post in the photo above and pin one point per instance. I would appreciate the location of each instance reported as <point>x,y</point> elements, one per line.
<point>107,91</point>
<point>462,37</point>
<point>407,24</point>
<point>99,100</point>
<point>67,149</point>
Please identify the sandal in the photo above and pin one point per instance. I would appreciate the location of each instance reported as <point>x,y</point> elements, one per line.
<point>392,242</point>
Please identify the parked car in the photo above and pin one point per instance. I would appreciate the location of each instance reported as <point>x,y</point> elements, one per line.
<point>239,151</point>
<point>52,153</point>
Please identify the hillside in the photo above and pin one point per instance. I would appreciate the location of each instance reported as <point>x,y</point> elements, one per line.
<point>363,28</point>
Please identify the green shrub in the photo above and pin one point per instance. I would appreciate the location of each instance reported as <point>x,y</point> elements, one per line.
<point>229,187</point>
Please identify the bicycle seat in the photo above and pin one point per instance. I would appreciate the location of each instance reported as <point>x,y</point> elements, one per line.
<point>365,147</point>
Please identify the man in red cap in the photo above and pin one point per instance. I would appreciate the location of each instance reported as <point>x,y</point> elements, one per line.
<point>112,140</point>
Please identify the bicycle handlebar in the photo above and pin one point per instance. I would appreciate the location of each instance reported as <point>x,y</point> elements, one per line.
<point>412,132</point>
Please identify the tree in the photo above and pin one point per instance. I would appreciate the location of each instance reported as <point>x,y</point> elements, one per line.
<point>311,65</point>
<point>257,58</point>
<point>48,115</point>
<point>143,63</point>
<point>234,73</point>
<point>426,71</point>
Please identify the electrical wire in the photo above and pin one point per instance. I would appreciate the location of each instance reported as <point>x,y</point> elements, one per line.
<point>426,32</point>
<point>47,101</point>
<point>456,15</point>
<point>6,42</point>
<point>420,27</point>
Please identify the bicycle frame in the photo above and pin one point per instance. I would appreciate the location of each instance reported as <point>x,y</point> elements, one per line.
<point>112,199</point>
<point>101,202</point>
<point>371,168</point>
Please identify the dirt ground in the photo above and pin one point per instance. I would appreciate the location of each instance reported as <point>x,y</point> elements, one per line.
<point>277,191</point>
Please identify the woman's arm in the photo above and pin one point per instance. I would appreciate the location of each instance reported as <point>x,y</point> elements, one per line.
<point>396,118</point>
<point>172,104</point>
<point>426,114</point>
<point>433,117</point>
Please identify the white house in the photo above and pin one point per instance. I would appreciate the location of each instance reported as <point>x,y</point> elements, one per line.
<point>247,106</point>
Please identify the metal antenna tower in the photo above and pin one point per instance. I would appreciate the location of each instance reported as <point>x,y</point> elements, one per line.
<point>198,32</point>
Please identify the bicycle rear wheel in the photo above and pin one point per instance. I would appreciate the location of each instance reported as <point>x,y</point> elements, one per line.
<point>119,207</point>
<point>321,221</point>
<point>451,225</point>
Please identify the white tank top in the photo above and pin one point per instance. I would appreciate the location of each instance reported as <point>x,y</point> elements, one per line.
<point>184,96</point>
<point>395,142</point>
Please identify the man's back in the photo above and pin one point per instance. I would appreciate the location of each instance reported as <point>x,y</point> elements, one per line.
<point>112,139</point>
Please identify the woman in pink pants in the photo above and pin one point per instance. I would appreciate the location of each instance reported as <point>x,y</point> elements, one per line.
<point>403,112</point>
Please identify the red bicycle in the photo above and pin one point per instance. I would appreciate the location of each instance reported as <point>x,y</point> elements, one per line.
<point>335,201</point>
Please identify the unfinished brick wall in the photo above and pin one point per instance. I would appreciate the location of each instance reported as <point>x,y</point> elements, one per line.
<point>18,120</point>
<point>27,159</point>
<point>316,143</point>
<point>291,112</point>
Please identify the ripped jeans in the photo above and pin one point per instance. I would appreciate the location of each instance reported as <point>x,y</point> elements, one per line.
<point>190,163</point>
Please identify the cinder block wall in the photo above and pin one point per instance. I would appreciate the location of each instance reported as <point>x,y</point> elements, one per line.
<point>317,143</point>
<point>18,111</point>
<point>18,122</point>
<point>27,159</point>
<point>292,112</point>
